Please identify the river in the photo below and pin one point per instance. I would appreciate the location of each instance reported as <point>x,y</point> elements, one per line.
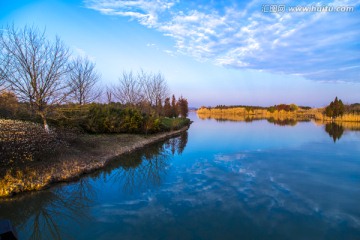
<point>220,180</point>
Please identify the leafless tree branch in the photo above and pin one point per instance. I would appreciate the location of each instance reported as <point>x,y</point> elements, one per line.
<point>83,81</point>
<point>35,67</point>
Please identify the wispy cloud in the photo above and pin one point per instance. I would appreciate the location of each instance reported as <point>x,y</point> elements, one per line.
<point>321,46</point>
<point>79,52</point>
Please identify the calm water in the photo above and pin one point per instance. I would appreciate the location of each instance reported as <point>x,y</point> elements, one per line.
<point>221,180</point>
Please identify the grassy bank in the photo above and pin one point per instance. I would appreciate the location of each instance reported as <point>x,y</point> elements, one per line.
<point>343,118</point>
<point>34,159</point>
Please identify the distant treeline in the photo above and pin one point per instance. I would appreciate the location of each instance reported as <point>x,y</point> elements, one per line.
<point>335,111</point>
<point>285,107</point>
<point>353,108</point>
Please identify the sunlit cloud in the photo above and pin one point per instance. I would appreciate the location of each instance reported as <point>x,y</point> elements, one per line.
<point>322,46</point>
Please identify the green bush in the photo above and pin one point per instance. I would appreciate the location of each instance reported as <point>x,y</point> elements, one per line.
<point>271,109</point>
<point>112,118</point>
<point>168,124</point>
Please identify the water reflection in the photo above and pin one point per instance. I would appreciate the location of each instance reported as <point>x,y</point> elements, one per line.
<point>334,130</point>
<point>230,118</point>
<point>38,215</point>
<point>277,119</point>
<point>282,122</point>
<point>48,214</point>
<point>144,168</point>
<point>177,145</point>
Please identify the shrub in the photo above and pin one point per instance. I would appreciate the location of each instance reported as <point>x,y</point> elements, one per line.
<point>8,104</point>
<point>271,109</point>
<point>168,124</point>
<point>112,118</point>
<point>151,125</point>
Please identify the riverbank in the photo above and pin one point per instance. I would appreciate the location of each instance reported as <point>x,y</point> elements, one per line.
<point>250,114</point>
<point>83,154</point>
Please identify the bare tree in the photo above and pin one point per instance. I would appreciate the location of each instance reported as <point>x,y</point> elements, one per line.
<point>128,91</point>
<point>83,81</point>
<point>154,87</point>
<point>146,89</point>
<point>160,89</point>
<point>36,68</point>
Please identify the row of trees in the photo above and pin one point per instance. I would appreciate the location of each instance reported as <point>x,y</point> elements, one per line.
<point>44,74</point>
<point>149,92</point>
<point>283,107</point>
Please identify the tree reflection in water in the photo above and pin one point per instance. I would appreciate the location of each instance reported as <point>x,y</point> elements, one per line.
<point>334,130</point>
<point>44,214</point>
<point>39,214</point>
<point>283,122</point>
<point>146,167</point>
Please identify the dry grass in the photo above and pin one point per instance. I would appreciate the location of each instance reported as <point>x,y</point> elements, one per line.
<point>22,142</point>
<point>344,118</point>
<point>242,114</point>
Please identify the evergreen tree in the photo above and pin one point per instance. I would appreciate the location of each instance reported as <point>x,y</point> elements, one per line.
<point>167,108</point>
<point>335,109</point>
<point>174,107</point>
<point>159,107</point>
<point>183,107</point>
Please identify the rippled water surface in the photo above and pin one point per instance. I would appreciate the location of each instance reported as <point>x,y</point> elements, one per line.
<point>221,180</point>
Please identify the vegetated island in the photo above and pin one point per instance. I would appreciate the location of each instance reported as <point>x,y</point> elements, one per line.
<point>287,114</point>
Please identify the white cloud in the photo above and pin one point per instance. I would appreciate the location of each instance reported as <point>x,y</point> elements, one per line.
<point>82,53</point>
<point>320,46</point>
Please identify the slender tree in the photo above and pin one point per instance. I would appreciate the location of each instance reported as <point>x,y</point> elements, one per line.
<point>109,94</point>
<point>183,107</point>
<point>83,81</point>
<point>159,107</point>
<point>167,108</point>
<point>174,107</point>
<point>36,68</point>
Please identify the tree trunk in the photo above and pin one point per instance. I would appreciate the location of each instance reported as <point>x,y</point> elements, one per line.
<point>46,126</point>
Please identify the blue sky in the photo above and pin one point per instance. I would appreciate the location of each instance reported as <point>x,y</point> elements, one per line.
<point>211,52</point>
